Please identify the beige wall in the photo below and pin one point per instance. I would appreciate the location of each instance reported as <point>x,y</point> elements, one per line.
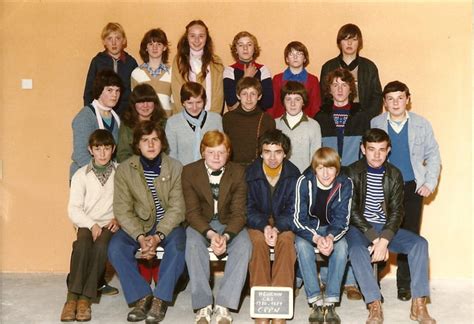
<point>427,45</point>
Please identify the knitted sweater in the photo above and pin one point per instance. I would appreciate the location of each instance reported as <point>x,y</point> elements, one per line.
<point>217,92</point>
<point>305,140</point>
<point>103,61</point>
<point>235,72</point>
<point>181,139</point>
<point>242,128</point>
<point>314,96</point>
<point>83,125</point>
<point>89,202</point>
<point>161,84</point>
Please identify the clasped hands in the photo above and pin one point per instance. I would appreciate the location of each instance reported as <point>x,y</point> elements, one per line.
<point>325,244</point>
<point>218,242</point>
<point>148,245</point>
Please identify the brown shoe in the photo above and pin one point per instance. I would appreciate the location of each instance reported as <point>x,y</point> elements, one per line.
<point>419,312</point>
<point>69,311</point>
<point>352,293</point>
<point>83,311</point>
<point>375,313</point>
<point>157,311</point>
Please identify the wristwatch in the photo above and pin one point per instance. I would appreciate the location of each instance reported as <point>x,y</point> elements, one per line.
<point>161,236</point>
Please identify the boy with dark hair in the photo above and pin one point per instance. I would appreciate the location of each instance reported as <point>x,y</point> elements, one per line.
<point>112,58</point>
<point>376,214</point>
<point>247,122</point>
<point>415,153</point>
<point>349,41</point>
<point>90,210</point>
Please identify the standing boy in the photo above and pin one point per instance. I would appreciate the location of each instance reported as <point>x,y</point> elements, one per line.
<point>415,153</point>
<point>376,214</point>
<point>90,210</point>
<point>112,58</point>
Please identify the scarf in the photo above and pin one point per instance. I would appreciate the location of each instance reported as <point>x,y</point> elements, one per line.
<point>97,108</point>
<point>197,123</point>
<point>300,77</point>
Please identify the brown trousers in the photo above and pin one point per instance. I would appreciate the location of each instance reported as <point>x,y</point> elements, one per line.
<point>88,260</point>
<point>282,273</point>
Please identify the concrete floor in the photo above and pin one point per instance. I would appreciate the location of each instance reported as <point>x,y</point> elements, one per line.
<point>38,298</point>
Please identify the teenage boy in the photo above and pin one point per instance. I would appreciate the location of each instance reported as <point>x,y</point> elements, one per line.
<point>369,91</point>
<point>321,218</point>
<point>415,153</point>
<point>247,122</point>
<point>215,195</point>
<point>112,58</point>
<point>376,214</point>
<point>297,59</point>
<point>245,51</point>
<point>271,181</point>
<point>90,210</point>
<point>303,131</point>
<point>149,205</point>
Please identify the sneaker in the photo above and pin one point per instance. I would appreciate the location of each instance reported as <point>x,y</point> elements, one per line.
<point>331,315</point>
<point>157,311</point>
<point>222,315</point>
<point>317,315</point>
<point>108,290</point>
<point>203,315</point>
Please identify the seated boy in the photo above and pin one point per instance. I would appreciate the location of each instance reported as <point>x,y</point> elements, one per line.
<point>90,210</point>
<point>323,202</point>
<point>376,214</point>
<point>215,195</point>
<point>247,122</point>
<point>112,58</point>
<point>297,58</point>
<point>245,51</point>
<point>271,181</point>
<point>415,153</point>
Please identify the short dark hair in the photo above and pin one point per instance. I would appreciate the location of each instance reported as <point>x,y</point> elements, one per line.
<point>192,89</point>
<point>248,82</point>
<point>101,137</point>
<point>143,93</point>
<point>344,75</point>
<point>297,46</point>
<point>349,31</point>
<point>395,86</point>
<point>106,78</point>
<point>375,135</point>
<point>274,136</point>
<point>294,87</point>
<point>154,35</point>
<point>146,128</point>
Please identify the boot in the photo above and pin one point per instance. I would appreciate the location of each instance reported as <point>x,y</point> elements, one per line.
<point>419,312</point>
<point>317,315</point>
<point>331,315</point>
<point>375,313</point>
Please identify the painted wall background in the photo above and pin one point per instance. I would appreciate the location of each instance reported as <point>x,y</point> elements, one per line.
<point>425,44</point>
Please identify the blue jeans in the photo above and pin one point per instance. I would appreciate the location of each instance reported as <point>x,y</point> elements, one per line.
<point>336,265</point>
<point>122,249</point>
<point>405,242</point>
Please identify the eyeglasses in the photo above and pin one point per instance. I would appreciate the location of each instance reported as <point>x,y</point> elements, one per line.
<point>296,54</point>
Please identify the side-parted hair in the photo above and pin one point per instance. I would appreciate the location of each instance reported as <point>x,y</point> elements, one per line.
<point>345,76</point>
<point>294,87</point>
<point>192,89</point>
<point>147,128</point>
<point>114,27</point>
<point>143,93</point>
<point>184,51</point>
<point>326,157</point>
<point>233,46</point>
<point>248,82</point>
<point>215,138</point>
<point>349,31</point>
<point>274,136</point>
<point>101,137</point>
<point>395,86</point>
<point>375,135</point>
<point>105,78</point>
<point>297,46</point>
<point>156,35</point>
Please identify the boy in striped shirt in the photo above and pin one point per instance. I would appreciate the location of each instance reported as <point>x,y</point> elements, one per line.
<point>376,214</point>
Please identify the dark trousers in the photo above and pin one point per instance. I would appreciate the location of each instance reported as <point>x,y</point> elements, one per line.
<point>88,260</point>
<point>413,205</point>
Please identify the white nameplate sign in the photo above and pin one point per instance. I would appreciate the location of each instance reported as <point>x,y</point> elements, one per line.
<point>271,302</point>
